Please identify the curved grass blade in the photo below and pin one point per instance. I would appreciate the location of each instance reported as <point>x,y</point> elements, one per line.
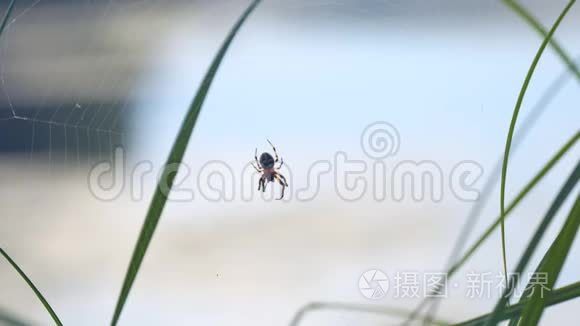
<point>365,308</point>
<point>174,159</point>
<point>535,24</point>
<point>516,201</point>
<point>528,187</point>
<point>475,211</point>
<point>513,124</point>
<point>32,286</point>
<point>528,289</point>
<point>560,295</point>
<point>7,16</point>
<point>4,318</point>
<point>535,240</point>
<point>556,257</point>
<point>557,296</point>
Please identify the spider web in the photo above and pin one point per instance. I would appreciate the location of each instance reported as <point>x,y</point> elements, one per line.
<point>71,116</point>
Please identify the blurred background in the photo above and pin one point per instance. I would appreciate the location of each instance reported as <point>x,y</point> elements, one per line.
<point>80,78</point>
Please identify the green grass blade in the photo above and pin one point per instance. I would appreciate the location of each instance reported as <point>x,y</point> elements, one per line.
<point>513,124</point>
<point>531,184</point>
<point>554,297</point>
<point>486,191</point>
<point>175,157</point>
<point>32,286</point>
<point>560,295</point>
<point>7,16</point>
<point>556,257</point>
<point>535,241</point>
<point>364,308</point>
<point>528,290</point>
<point>527,188</point>
<point>476,208</point>
<point>535,24</point>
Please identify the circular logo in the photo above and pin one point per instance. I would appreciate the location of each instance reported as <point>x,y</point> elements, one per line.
<point>380,140</point>
<point>373,284</point>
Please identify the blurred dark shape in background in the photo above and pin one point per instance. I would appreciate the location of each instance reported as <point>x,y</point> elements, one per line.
<point>67,73</point>
<point>69,69</point>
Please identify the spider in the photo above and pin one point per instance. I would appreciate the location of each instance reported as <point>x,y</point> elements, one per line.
<point>268,170</point>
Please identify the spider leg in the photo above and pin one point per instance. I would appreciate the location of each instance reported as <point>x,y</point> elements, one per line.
<point>283,178</point>
<point>256,158</point>
<point>255,167</point>
<point>281,163</point>
<point>282,182</point>
<point>260,183</point>
<point>259,169</point>
<point>274,148</point>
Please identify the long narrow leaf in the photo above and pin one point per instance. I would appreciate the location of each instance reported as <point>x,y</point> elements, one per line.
<point>560,295</point>
<point>486,191</point>
<point>32,286</point>
<point>516,201</point>
<point>476,208</point>
<point>535,240</point>
<point>7,16</point>
<point>475,212</point>
<point>527,188</point>
<point>535,24</point>
<point>513,124</point>
<point>556,257</point>
<point>554,297</point>
<point>175,158</point>
<point>4,318</point>
<point>528,289</point>
<point>353,307</point>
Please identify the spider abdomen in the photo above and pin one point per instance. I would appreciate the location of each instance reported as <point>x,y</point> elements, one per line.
<point>267,161</point>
